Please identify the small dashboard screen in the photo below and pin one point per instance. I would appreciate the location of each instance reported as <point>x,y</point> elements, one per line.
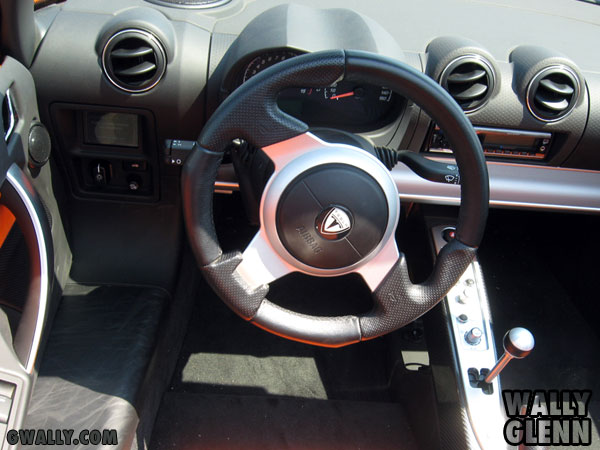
<point>512,140</point>
<point>117,129</point>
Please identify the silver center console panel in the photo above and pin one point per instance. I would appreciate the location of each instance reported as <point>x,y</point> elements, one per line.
<point>472,339</point>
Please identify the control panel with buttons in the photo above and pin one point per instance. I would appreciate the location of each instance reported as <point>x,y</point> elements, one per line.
<point>465,308</point>
<point>109,153</point>
<point>116,176</point>
<point>469,324</point>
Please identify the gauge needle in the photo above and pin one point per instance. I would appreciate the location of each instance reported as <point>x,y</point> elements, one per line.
<point>347,94</point>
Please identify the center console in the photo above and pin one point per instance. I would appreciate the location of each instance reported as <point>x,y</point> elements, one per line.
<point>470,329</point>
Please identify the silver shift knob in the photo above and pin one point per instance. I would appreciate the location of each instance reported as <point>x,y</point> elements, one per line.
<point>518,343</point>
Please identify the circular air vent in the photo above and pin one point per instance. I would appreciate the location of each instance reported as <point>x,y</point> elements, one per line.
<point>134,60</point>
<point>553,93</point>
<point>470,81</point>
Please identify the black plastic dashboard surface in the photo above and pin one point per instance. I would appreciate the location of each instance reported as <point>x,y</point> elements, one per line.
<point>209,50</point>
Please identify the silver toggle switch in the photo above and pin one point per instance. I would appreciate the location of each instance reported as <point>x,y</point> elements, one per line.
<point>473,336</point>
<point>518,343</point>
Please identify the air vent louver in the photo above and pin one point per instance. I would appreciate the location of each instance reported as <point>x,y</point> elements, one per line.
<point>469,80</point>
<point>552,93</point>
<point>133,60</point>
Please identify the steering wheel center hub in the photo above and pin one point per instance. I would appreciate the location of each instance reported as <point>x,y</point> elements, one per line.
<point>332,216</point>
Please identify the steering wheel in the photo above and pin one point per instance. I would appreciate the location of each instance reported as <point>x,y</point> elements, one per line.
<point>328,209</point>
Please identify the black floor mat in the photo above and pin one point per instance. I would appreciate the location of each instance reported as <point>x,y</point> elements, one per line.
<point>245,422</point>
<point>541,272</point>
<point>96,358</point>
<point>223,354</point>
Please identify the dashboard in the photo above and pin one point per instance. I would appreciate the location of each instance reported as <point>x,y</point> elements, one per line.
<point>126,85</point>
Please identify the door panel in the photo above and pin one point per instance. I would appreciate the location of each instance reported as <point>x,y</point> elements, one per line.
<point>21,207</point>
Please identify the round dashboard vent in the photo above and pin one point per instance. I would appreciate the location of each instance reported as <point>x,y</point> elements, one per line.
<point>553,93</point>
<point>134,60</point>
<point>469,79</point>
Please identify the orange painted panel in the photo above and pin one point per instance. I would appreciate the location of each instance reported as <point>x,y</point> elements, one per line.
<point>7,220</point>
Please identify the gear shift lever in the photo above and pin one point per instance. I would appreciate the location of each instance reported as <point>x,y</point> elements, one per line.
<point>518,343</point>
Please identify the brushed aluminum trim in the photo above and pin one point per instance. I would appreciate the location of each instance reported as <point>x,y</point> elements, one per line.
<point>485,412</point>
<point>514,186</point>
<point>578,190</point>
<point>12,116</point>
<point>26,192</point>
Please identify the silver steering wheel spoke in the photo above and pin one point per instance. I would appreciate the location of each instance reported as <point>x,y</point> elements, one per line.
<point>284,152</point>
<point>375,270</point>
<point>260,263</point>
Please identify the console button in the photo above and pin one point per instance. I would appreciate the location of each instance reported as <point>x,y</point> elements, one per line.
<point>448,234</point>
<point>134,183</point>
<point>134,166</point>
<point>473,336</point>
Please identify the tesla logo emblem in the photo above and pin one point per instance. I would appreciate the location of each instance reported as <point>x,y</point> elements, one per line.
<point>334,223</point>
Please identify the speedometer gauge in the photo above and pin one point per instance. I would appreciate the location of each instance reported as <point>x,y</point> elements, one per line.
<point>347,105</point>
<point>266,60</point>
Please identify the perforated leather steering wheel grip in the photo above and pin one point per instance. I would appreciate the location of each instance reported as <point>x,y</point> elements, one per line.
<point>251,113</point>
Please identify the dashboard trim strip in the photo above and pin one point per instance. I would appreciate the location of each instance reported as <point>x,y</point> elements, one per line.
<point>513,185</point>
<point>579,188</point>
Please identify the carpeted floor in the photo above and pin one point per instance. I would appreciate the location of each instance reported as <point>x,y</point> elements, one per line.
<point>202,421</point>
<point>526,288</point>
<point>541,273</point>
<point>223,354</point>
<point>237,386</point>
